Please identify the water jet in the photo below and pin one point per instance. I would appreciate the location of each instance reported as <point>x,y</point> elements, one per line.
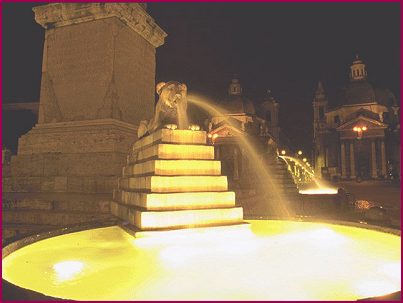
<point>190,244</point>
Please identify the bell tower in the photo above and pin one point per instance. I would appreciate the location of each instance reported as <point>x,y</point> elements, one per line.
<point>319,109</point>
<point>319,128</point>
<point>235,88</point>
<point>357,70</point>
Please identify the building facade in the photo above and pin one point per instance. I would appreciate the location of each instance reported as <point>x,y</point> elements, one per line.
<point>240,118</point>
<point>361,138</point>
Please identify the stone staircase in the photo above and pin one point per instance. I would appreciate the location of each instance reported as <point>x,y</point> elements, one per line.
<point>171,181</point>
<point>282,192</point>
<point>282,177</point>
<point>26,213</point>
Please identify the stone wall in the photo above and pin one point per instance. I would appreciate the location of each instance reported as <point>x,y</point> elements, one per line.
<point>98,79</point>
<point>96,70</point>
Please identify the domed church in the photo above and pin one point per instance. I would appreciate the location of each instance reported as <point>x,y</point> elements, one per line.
<point>239,118</point>
<point>361,137</point>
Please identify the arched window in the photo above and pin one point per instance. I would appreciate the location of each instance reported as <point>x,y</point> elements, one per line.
<point>321,113</point>
<point>268,116</point>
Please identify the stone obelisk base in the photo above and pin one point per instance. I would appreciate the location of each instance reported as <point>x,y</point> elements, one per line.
<point>64,174</point>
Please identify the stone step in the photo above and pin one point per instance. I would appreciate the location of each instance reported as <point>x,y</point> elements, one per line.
<point>171,136</point>
<point>173,152</point>
<point>54,218</point>
<point>273,171</point>
<point>171,201</point>
<point>276,164</point>
<point>90,203</point>
<point>231,230</point>
<point>275,187</point>
<point>275,174</point>
<point>155,220</point>
<point>67,164</point>
<point>62,184</point>
<point>86,207</point>
<point>278,172</point>
<point>161,184</point>
<point>174,168</point>
<point>284,179</point>
<point>279,184</point>
<point>21,230</point>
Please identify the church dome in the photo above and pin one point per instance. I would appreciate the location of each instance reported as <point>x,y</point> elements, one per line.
<point>358,92</point>
<point>235,103</point>
<point>238,105</point>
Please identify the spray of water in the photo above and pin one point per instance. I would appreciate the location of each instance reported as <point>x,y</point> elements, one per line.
<point>275,203</point>
<point>183,121</point>
<point>316,185</point>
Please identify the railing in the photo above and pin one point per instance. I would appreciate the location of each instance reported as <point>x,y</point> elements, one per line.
<point>301,172</point>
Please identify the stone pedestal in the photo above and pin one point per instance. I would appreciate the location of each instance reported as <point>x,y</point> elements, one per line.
<point>170,181</point>
<point>98,79</point>
<point>98,62</point>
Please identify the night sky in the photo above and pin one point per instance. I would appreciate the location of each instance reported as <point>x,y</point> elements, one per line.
<point>284,47</point>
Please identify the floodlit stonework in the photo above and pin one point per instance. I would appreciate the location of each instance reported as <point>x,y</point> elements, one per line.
<point>98,79</point>
<point>98,61</point>
<point>361,138</point>
<point>186,191</point>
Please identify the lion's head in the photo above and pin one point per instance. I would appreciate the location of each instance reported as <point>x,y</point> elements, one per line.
<point>171,93</point>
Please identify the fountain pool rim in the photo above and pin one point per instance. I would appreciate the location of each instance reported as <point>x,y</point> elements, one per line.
<point>16,244</point>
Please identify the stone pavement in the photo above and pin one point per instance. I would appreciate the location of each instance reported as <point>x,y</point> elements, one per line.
<point>378,193</point>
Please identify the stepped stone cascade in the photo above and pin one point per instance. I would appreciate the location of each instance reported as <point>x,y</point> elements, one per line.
<point>282,182</point>
<point>172,181</point>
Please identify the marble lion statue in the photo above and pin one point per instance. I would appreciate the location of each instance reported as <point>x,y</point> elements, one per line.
<point>170,111</point>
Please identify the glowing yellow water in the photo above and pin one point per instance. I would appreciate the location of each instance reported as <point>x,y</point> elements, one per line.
<point>273,260</point>
<point>319,191</point>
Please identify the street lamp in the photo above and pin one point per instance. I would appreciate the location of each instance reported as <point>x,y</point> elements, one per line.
<point>283,152</point>
<point>359,130</point>
<point>300,152</point>
<point>304,160</point>
<point>212,137</point>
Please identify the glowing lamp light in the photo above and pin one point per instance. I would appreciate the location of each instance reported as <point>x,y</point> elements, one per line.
<point>300,152</point>
<point>215,136</point>
<point>210,135</point>
<point>359,130</point>
<point>308,164</point>
<point>283,152</point>
<point>304,159</point>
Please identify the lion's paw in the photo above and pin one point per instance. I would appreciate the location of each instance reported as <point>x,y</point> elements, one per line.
<point>143,129</point>
<point>194,127</point>
<point>171,126</point>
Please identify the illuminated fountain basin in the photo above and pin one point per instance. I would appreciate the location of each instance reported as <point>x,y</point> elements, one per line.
<point>266,260</point>
<point>319,191</point>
